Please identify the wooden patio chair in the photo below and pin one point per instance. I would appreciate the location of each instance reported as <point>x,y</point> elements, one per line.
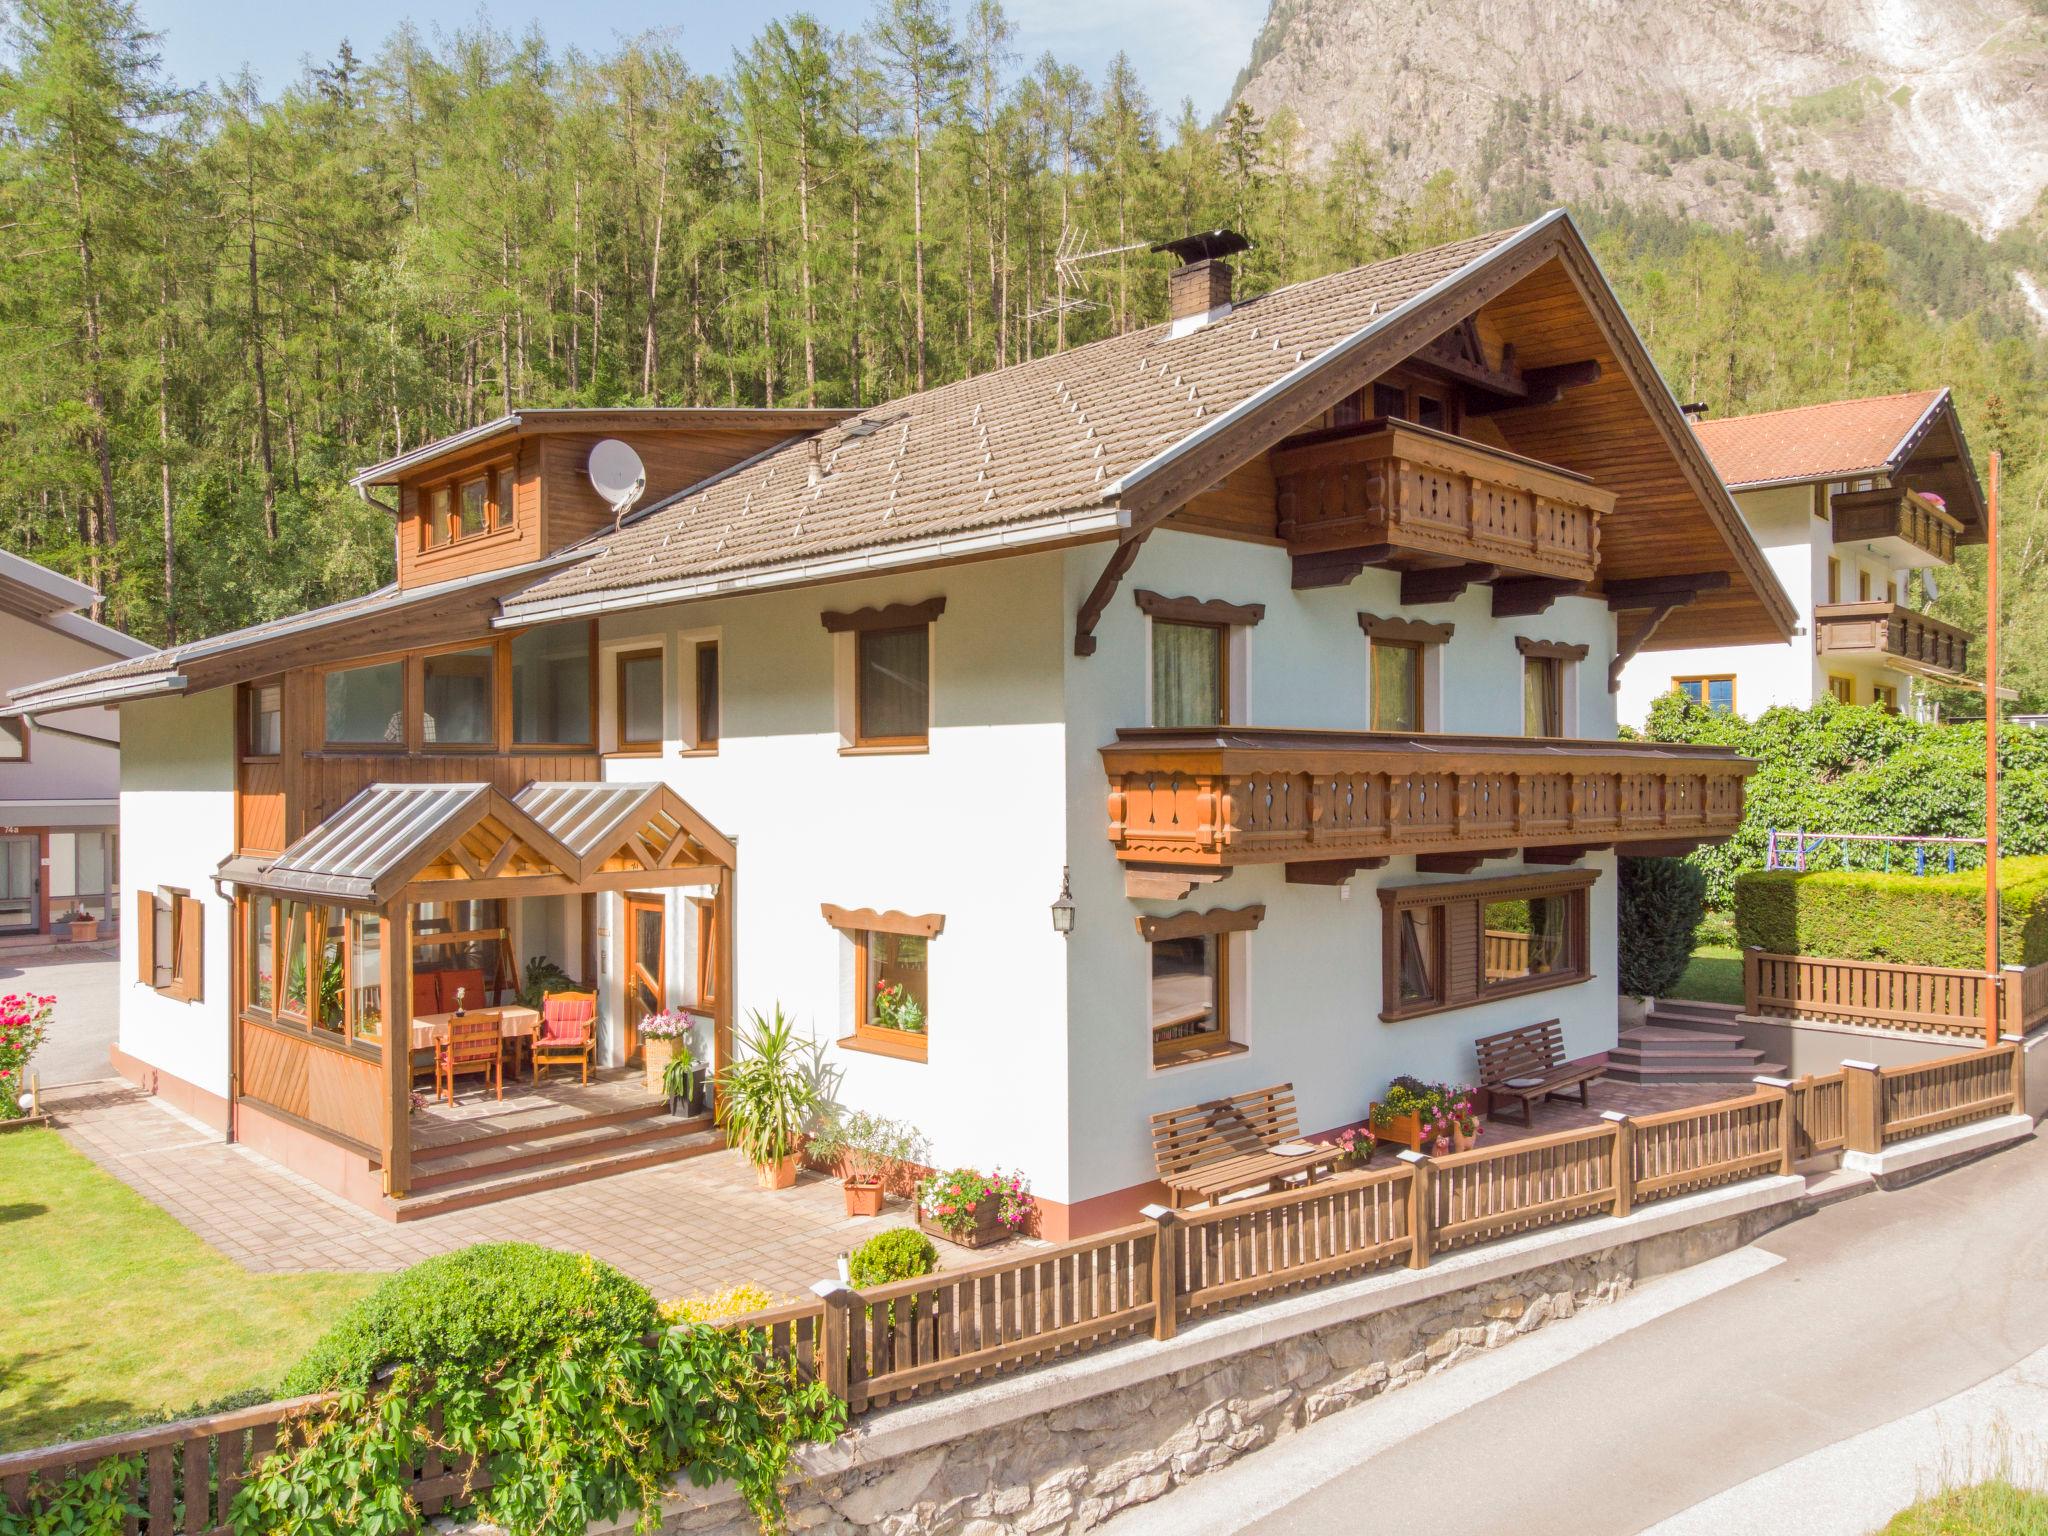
<point>472,1049</point>
<point>567,1036</point>
<point>1529,1064</point>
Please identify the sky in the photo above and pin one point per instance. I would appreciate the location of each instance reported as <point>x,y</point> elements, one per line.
<point>1191,48</point>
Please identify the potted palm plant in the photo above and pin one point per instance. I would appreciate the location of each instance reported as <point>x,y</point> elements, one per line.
<point>866,1149</point>
<point>769,1097</point>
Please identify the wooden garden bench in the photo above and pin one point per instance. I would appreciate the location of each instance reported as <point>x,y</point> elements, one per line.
<point>1529,1064</point>
<point>1218,1148</point>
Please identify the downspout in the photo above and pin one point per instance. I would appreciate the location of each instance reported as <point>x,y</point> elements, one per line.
<point>36,721</point>
<point>384,506</point>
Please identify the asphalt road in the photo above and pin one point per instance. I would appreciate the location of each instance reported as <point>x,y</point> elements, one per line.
<point>1884,1305</point>
<point>86,1020</point>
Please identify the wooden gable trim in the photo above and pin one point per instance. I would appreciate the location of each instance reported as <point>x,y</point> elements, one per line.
<point>894,616</point>
<point>928,925</point>
<point>1198,610</point>
<point>1504,887</point>
<point>1394,627</point>
<point>1556,650</point>
<point>1184,925</point>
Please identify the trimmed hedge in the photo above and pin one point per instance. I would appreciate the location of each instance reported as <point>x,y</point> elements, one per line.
<point>1900,919</point>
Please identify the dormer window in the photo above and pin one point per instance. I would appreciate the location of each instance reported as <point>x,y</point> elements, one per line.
<point>468,506</point>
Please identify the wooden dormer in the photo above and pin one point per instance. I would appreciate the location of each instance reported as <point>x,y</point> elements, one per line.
<point>515,489</point>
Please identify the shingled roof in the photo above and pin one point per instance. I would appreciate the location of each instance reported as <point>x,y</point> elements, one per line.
<point>1817,442</point>
<point>1020,445</point>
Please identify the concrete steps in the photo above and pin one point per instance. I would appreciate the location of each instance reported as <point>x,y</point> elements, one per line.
<point>556,1157</point>
<point>1686,1042</point>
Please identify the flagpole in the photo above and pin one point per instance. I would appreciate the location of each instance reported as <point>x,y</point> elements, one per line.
<point>1991,990</point>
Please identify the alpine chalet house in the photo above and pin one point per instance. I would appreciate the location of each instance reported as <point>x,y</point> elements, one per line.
<point>59,775</point>
<point>1163,719</point>
<point>1847,500</point>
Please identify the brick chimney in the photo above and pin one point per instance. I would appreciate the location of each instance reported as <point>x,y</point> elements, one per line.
<point>1199,289</point>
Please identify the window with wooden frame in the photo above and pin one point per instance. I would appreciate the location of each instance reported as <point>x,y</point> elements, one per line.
<point>884,669</point>
<point>891,978</point>
<point>1716,693</point>
<point>1192,958</point>
<point>170,943</point>
<point>1843,688</point>
<point>636,702</point>
<point>14,740</point>
<point>1402,395</point>
<point>262,719</point>
<point>468,505</point>
<point>554,685</point>
<point>1546,671</point>
<point>1862,585</point>
<point>458,697</point>
<point>331,963</point>
<point>1398,671</point>
<point>365,705</point>
<point>1885,697</point>
<point>705,712</point>
<point>1455,943</point>
<point>1193,641</point>
<point>1834,579</point>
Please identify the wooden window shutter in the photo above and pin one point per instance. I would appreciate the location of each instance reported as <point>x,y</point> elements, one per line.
<point>145,937</point>
<point>187,983</point>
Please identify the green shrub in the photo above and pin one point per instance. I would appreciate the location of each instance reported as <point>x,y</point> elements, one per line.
<point>1900,919</point>
<point>901,1253</point>
<point>1854,768</point>
<point>474,1308</point>
<point>1661,903</point>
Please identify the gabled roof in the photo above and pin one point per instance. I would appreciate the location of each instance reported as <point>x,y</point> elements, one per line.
<point>1886,435</point>
<point>35,592</point>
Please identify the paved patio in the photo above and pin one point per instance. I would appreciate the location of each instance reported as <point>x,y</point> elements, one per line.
<point>681,1229</point>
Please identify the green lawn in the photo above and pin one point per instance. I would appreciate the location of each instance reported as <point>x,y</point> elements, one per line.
<point>1714,976</point>
<point>1996,1508</point>
<point>112,1308</point>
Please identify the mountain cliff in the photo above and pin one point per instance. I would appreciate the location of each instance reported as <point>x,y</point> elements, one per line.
<point>1733,111</point>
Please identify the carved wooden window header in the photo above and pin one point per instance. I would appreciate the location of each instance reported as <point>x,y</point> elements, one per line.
<point>894,616</point>
<point>928,925</point>
<point>1398,628</point>
<point>1187,925</point>
<point>1198,610</point>
<point>1555,650</point>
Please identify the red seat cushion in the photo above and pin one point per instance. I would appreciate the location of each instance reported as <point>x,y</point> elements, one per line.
<point>566,1020</point>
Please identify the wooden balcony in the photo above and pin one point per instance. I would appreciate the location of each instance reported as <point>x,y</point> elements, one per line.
<point>1902,525</point>
<point>1390,493</point>
<point>1211,800</point>
<point>1913,642</point>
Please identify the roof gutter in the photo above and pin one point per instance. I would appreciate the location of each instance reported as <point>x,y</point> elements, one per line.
<point>120,690</point>
<point>1097,520</point>
<point>1327,358</point>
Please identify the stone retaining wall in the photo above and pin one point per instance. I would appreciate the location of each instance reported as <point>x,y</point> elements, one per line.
<point>1067,1468</point>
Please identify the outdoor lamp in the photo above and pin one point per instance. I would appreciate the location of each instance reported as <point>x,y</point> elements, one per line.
<point>1063,909</point>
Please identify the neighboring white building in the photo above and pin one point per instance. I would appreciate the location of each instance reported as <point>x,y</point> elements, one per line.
<point>60,773</point>
<point>1280,635</point>
<point>1846,500</point>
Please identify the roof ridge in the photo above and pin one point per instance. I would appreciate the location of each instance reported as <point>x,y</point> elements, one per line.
<point>1929,394</point>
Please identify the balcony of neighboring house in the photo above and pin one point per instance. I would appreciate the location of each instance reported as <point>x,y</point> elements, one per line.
<point>1898,524</point>
<point>1435,506</point>
<point>1200,802</point>
<point>1896,636</point>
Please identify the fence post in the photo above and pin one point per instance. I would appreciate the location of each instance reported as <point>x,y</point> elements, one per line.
<point>1624,1160</point>
<point>2018,1042</point>
<point>1165,1269</point>
<point>1863,1107</point>
<point>1752,977</point>
<point>2014,993</point>
<point>835,1338</point>
<point>1787,1105</point>
<point>1420,1238</point>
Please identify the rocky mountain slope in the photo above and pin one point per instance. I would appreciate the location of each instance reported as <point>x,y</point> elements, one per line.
<point>1709,109</point>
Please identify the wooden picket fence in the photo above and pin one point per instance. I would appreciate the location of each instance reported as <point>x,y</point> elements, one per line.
<point>890,1343</point>
<point>1928,999</point>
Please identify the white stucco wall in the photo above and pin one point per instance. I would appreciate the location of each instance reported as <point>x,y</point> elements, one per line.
<point>177,824</point>
<point>1312,971</point>
<point>77,780</point>
<point>972,829</point>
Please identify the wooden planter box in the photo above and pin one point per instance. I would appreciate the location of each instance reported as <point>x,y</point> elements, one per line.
<point>988,1227</point>
<point>1401,1131</point>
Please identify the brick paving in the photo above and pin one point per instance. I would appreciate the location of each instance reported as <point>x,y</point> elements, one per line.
<point>681,1228</point>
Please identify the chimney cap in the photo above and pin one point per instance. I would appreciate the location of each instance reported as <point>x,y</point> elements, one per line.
<point>1206,246</point>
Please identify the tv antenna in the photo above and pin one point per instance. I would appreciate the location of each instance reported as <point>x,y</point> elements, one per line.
<point>1067,262</point>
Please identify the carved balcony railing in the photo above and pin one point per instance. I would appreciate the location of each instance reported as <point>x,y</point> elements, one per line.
<point>1420,497</point>
<point>1195,800</point>
<point>1916,642</point>
<point>1899,524</point>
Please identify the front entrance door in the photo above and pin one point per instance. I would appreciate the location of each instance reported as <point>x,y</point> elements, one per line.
<point>18,893</point>
<point>646,972</point>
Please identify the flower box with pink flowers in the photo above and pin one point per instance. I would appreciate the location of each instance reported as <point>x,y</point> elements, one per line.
<point>974,1209</point>
<point>1434,1118</point>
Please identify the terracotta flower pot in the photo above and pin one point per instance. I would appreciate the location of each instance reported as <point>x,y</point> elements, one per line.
<point>777,1175</point>
<point>1461,1141</point>
<point>863,1198</point>
<point>85,932</point>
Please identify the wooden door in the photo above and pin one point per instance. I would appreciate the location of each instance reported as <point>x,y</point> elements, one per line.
<point>646,969</point>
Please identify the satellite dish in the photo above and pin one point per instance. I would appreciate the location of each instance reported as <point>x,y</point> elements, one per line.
<point>617,475</point>
<point>1927,585</point>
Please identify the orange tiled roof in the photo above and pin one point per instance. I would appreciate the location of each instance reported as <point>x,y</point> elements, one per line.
<point>1814,442</point>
